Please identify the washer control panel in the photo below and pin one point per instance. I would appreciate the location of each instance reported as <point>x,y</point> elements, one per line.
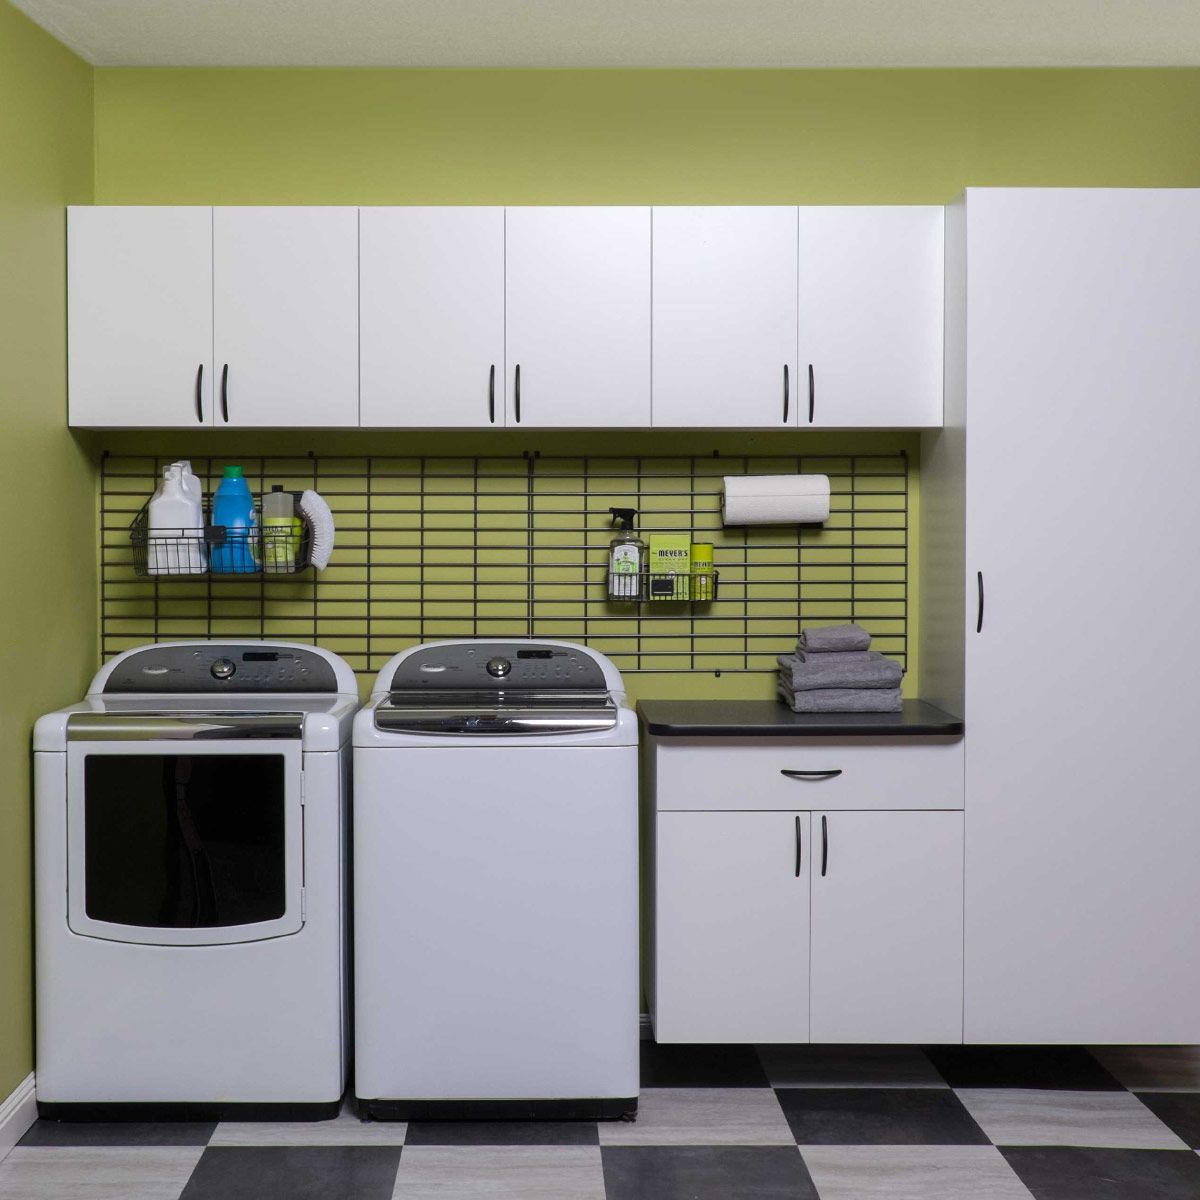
<point>502,666</point>
<point>222,667</point>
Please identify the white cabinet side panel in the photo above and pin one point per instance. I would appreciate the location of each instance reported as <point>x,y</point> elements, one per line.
<point>1082,753</point>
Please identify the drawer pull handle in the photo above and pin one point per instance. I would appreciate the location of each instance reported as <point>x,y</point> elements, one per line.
<point>824,845</point>
<point>811,774</point>
<point>799,847</point>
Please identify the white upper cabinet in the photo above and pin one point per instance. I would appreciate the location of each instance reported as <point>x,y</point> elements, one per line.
<point>887,926</point>
<point>285,316</point>
<point>431,292</point>
<point>870,316</point>
<point>725,317</point>
<point>139,317</point>
<point>577,306</point>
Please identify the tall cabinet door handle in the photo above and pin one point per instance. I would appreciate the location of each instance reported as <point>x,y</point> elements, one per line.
<point>799,847</point>
<point>811,774</point>
<point>786,397</point>
<point>225,393</point>
<point>492,394</point>
<point>200,393</point>
<point>979,609</point>
<point>812,393</point>
<point>824,845</point>
<point>517,393</point>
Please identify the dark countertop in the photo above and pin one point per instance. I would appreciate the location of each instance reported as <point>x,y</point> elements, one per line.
<point>768,718</point>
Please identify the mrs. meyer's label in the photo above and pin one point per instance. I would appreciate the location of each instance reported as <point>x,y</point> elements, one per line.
<point>670,564</point>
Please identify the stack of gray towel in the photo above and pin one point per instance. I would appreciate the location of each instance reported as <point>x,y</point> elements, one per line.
<point>834,670</point>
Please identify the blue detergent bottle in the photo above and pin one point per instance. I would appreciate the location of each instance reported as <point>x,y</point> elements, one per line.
<point>233,507</point>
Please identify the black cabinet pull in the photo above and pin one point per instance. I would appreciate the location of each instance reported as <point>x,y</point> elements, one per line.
<point>812,774</point>
<point>824,845</point>
<point>225,393</point>
<point>785,393</point>
<point>492,394</point>
<point>799,847</point>
<point>979,611</point>
<point>812,393</point>
<point>200,393</point>
<point>517,393</point>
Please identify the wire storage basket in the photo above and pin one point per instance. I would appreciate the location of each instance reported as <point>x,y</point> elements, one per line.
<point>218,550</point>
<point>692,586</point>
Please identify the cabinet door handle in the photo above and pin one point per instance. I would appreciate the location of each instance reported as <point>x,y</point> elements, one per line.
<point>225,393</point>
<point>517,393</point>
<point>492,394</point>
<point>812,774</point>
<point>786,398</point>
<point>979,609</point>
<point>799,847</point>
<point>812,393</point>
<point>200,393</point>
<point>824,845</point>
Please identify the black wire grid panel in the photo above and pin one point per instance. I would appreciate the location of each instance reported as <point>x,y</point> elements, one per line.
<point>517,546</point>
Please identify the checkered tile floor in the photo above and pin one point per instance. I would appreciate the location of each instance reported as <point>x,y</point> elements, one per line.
<point>716,1123</point>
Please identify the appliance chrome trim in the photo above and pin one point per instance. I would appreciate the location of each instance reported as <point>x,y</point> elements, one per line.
<point>503,720</point>
<point>183,726</point>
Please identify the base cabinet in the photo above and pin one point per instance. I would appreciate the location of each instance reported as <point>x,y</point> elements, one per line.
<point>798,926</point>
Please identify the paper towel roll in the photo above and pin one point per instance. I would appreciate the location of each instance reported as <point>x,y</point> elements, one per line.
<point>775,499</point>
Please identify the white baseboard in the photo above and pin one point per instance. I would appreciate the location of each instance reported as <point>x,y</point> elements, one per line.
<point>17,1113</point>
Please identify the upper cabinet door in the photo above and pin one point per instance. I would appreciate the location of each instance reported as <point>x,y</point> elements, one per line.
<point>285,309</point>
<point>725,317</point>
<point>887,927</point>
<point>577,306</point>
<point>139,317</point>
<point>432,317</point>
<point>871,284</point>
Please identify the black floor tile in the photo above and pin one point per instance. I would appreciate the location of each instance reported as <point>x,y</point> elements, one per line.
<point>1073,1173</point>
<point>701,1066</point>
<point>294,1173</point>
<point>1062,1068</point>
<point>705,1173</point>
<point>1179,1111</point>
<point>119,1133</point>
<point>879,1117</point>
<point>501,1133</point>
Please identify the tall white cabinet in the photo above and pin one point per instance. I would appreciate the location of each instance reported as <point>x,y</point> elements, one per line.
<point>1059,575</point>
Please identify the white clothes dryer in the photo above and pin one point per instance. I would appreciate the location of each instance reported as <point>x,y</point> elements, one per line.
<point>191,833</point>
<point>496,885</point>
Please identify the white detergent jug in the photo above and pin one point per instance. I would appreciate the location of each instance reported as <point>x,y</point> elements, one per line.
<point>176,524</point>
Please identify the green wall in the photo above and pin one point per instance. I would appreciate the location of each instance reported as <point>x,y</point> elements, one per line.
<point>606,137</point>
<point>47,482</point>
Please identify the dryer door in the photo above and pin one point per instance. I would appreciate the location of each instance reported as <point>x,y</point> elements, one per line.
<point>185,843</point>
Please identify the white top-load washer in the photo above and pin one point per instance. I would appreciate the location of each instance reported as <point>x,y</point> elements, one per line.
<point>496,885</point>
<point>191,861</point>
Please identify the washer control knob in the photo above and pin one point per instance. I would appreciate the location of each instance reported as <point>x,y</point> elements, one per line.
<point>498,667</point>
<point>222,668</point>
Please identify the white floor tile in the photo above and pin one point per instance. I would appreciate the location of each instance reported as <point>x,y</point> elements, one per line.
<point>97,1172</point>
<point>912,1173</point>
<point>702,1117</point>
<point>344,1130</point>
<point>1027,1117</point>
<point>500,1173</point>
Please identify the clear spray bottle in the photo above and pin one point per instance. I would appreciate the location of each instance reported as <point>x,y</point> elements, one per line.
<point>626,557</point>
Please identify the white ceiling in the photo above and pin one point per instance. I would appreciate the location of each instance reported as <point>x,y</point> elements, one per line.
<point>626,33</point>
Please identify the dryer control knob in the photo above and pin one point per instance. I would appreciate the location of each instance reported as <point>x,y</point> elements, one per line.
<point>498,667</point>
<point>222,668</point>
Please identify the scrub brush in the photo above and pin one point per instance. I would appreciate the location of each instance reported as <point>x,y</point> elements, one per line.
<point>319,519</point>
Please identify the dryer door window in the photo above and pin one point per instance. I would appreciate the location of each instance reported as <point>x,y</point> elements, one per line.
<point>179,848</point>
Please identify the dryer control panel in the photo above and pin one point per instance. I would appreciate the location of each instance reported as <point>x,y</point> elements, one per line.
<point>498,666</point>
<point>219,667</point>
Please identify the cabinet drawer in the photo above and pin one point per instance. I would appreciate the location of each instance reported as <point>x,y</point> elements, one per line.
<point>731,774</point>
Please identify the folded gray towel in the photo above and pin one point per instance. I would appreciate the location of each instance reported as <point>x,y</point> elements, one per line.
<point>830,657</point>
<point>837,638</point>
<point>847,700</point>
<point>871,671</point>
